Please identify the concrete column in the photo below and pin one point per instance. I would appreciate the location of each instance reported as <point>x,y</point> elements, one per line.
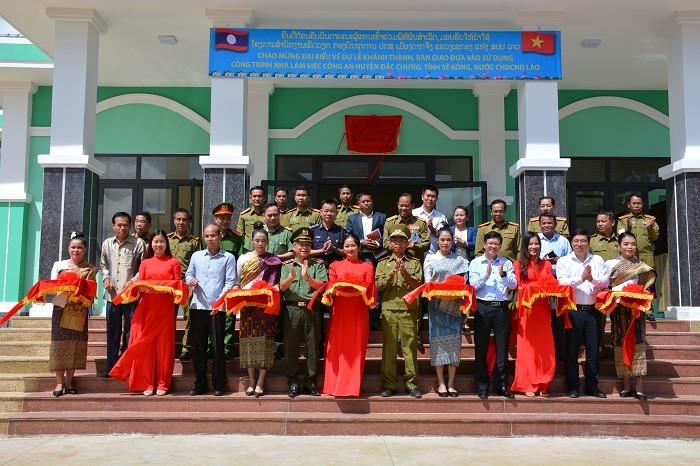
<point>259,92</point>
<point>71,172</point>
<point>540,170</point>
<point>227,168</point>
<point>14,198</point>
<point>492,138</point>
<point>683,174</point>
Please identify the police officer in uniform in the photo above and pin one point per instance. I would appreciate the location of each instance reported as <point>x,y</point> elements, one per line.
<point>302,215</point>
<point>183,245</point>
<point>249,216</point>
<point>396,275</point>
<point>279,237</point>
<point>345,208</point>
<point>231,242</point>
<point>509,231</point>
<point>302,276</point>
<point>546,205</point>
<point>419,238</point>
<point>644,227</point>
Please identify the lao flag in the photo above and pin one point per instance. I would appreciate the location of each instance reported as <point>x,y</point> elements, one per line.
<point>537,42</point>
<point>231,39</point>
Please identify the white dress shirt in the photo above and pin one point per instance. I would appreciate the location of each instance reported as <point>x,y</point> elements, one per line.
<point>437,219</point>
<point>570,269</point>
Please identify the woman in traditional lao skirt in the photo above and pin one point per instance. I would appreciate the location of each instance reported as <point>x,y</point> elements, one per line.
<point>535,361</point>
<point>257,329</point>
<point>627,269</point>
<point>69,322</point>
<point>348,329</point>
<point>150,357</point>
<point>445,317</point>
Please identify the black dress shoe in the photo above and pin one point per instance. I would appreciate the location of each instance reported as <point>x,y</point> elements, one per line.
<point>415,392</point>
<point>58,393</point>
<point>198,391</point>
<point>185,356</point>
<point>218,393</point>
<point>573,394</point>
<point>597,394</point>
<point>294,391</point>
<point>640,396</point>
<point>419,341</point>
<point>483,393</point>
<point>452,394</point>
<point>70,391</point>
<point>442,394</point>
<point>651,318</point>
<point>627,394</point>
<point>505,393</point>
<point>105,375</point>
<point>388,392</point>
<point>313,391</point>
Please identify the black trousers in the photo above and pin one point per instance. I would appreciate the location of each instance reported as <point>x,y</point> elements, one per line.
<point>204,326</point>
<point>118,317</point>
<point>586,328</point>
<point>486,319</point>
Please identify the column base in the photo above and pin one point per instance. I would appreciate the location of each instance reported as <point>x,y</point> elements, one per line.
<point>682,313</point>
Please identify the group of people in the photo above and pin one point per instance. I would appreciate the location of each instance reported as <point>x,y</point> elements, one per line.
<point>361,264</point>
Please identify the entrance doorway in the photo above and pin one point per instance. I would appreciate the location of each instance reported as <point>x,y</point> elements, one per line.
<point>158,185</point>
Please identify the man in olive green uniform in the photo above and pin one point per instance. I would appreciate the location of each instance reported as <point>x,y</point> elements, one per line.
<point>547,207</point>
<point>231,242</point>
<point>644,227</point>
<point>396,275</point>
<point>419,237</point>
<point>279,238</point>
<point>302,215</point>
<point>281,198</point>
<point>249,216</point>
<point>182,246</point>
<point>303,275</point>
<point>345,208</point>
<point>509,231</point>
<point>603,243</point>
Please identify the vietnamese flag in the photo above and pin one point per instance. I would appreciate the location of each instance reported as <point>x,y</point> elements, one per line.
<point>537,42</point>
<point>231,39</point>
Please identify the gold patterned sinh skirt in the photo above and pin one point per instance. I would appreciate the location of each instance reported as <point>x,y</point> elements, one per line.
<point>257,340</point>
<point>69,337</point>
<point>620,321</point>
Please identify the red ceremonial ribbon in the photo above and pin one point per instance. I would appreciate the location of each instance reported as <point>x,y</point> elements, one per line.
<point>69,282</point>
<point>261,295</point>
<point>547,287</point>
<point>452,288</point>
<point>634,297</point>
<point>178,288</point>
<point>366,290</point>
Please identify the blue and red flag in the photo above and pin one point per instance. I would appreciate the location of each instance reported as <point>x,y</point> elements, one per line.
<point>231,39</point>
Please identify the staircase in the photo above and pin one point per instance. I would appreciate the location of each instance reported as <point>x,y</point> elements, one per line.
<point>103,406</point>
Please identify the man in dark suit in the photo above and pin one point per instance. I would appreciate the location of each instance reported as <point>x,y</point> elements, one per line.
<point>368,225</point>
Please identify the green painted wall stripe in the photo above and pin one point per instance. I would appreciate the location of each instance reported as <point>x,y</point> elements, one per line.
<point>23,52</point>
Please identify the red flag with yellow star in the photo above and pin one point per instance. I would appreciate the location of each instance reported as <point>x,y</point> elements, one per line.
<point>537,42</point>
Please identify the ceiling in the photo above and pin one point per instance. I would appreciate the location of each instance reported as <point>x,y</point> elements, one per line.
<point>632,54</point>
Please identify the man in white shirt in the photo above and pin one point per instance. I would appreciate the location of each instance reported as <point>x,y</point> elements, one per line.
<point>433,217</point>
<point>586,273</point>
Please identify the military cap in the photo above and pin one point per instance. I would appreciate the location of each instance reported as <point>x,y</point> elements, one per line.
<point>302,234</point>
<point>400,230</point>
<point>222,209</point>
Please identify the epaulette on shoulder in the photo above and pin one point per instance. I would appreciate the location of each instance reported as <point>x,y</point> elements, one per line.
<point>649,216</point>
<point>562,219</point>
<point>236,232</point>
<point>514,224</point>
<point>418,220</point>
<point>245,211</point>
<point>393,217</point>
<point>625,215</point>
<point>535,219</point>
<point>286,211</point>
<point>196,238</point>
<point>171,234</point>
<point>314,209</point>
<point>288,261</point>
<point>314,225</point>
<point>286,228</point>
<point>384,258</point>
<point>355,206</point>
<point>484,224</point>
<point>318,261</point>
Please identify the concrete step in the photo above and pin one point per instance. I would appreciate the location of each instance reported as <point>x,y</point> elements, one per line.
<point>12,401</point>
<point>430,403</point>
<point>372,383</point>
<point>18,382</point>
<point>305,423</point>
<point>24,364</point>
<point>25,334</point>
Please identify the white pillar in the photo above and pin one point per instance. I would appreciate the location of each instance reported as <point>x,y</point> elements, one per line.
<point>17,116</point>
<point>683,174</point>
<point>74,99</point>
<point>259,92</point>
<point>492,138</point>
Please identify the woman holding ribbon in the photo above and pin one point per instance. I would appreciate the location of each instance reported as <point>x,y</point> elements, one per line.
<point>626,270</point>
<point>445,317</point>
<point>352,292</point>
<point>258,328</point>
<point>69,321</point>
<point>535,361</point>
<point>150,358</point>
